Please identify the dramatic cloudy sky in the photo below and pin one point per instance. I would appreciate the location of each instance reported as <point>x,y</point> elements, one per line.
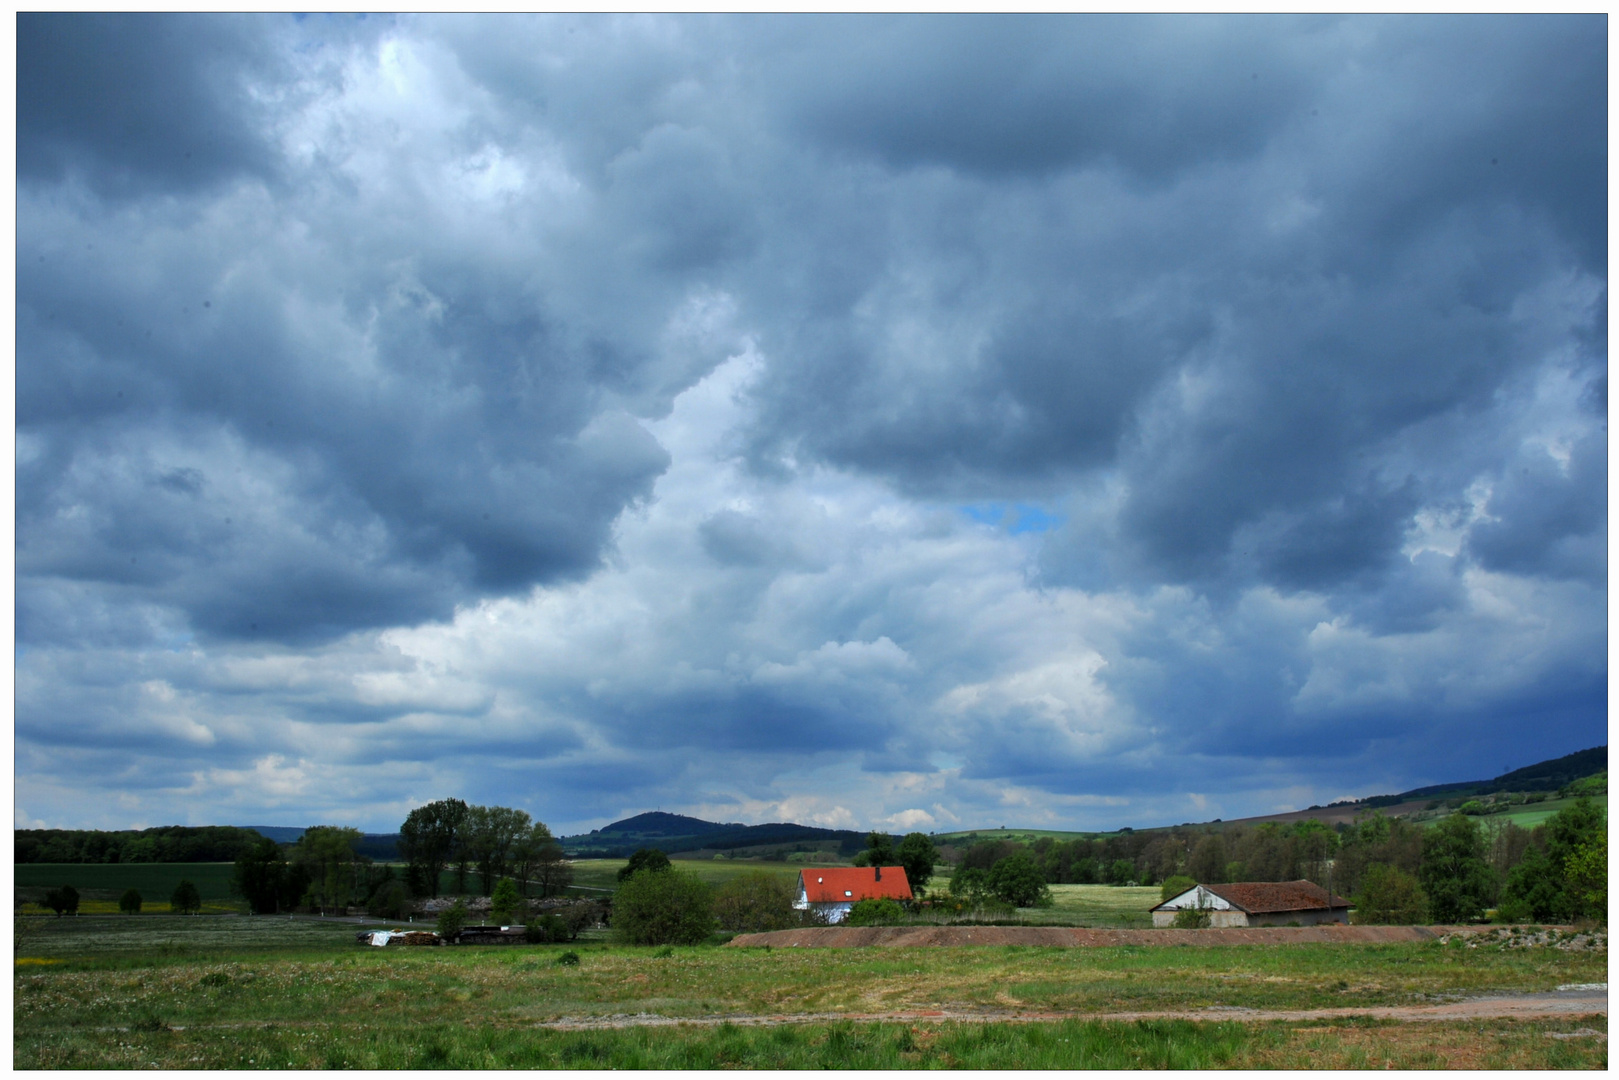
<point>906,422</point>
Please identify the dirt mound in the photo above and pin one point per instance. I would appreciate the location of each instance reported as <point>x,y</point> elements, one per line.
<point>850,937</point>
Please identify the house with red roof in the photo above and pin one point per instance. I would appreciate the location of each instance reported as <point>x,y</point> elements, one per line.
<point>1257,903</point>
<point>834,890</point>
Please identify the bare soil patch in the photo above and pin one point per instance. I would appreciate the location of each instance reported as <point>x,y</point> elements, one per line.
<point>852,937</point>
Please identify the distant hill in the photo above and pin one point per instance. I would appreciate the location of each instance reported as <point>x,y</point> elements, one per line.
<point>672,833</point>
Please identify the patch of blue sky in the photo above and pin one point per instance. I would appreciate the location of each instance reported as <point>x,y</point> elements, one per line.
<point>1015,518</point>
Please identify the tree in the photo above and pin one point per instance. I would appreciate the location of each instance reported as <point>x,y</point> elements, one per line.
<point>969,883</point>
<point>130,902</point>
<point>1553,879</point>
<point>506,902</point>
<point>327,855</point>
<point>491,833</point>
<point>427,841</point>
<point>879,851</point>
<point>644,859</point>
<point>390,900</point>
<point>1174,886</point>
<point>63,901</point>
<point>755,901</point>
<point>917,854</point>
<point>1121,872</point>
<point>185,899</point>
<point>260,876</point>
<point>1586,872</point>
<point>1389,897</point>
<point>1017,880</point>
<point>663,907</point>
<point>539,860</point>
<point>1455,874</point>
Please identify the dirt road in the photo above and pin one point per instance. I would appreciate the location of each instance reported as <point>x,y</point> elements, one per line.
<point>1575,1001</point>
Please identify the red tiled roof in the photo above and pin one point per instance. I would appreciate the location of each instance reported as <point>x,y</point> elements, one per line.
<point>843,884</point>
<point>1264,897</point>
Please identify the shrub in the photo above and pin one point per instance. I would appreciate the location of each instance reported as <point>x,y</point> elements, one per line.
<point>1471,807</point>
<point>506,902</point>
<point>130,902</point>
<point>185,899</point>
<point>755,901</point>
<point>878,912</point>
<point>390,901</point>
<point>1192,918</point>
<point>1174,886</point>
<point>568,959</point>
<point>645,859</point>
<point>1389,897</point>
<point>546,930</point>
<point>451,920</point>
<point>663,907</point>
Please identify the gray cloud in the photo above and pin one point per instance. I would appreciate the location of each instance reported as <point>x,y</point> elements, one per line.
<point>597,413</point>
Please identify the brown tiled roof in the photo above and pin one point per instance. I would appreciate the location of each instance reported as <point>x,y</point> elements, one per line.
<point>1264,897</point>
<point>845,884</point>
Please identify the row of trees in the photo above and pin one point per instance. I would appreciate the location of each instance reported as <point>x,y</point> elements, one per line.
<point>1395,870</point>
<point>165,844</point>
<point>494,841</point>
<point>1455,870</point>
<point>186,900</point>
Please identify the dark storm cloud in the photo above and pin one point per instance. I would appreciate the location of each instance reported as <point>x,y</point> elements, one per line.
<point>593,410</point>
<point>141,102</point>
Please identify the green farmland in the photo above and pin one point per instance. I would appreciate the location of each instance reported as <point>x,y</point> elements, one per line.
<point>277,993</point>
<point>107,881</point>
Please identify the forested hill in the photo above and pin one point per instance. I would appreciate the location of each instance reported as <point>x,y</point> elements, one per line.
<point>672,833</point>
<point>165,844</point>
<point>1541,776</point>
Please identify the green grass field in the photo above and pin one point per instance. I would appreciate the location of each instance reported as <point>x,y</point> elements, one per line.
<point>299,993</point>
<point>1527,817</point>
<point>107,881</point>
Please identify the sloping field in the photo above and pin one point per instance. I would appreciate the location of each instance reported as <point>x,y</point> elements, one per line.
<point>852,937</point>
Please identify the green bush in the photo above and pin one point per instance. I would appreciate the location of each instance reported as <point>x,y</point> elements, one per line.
<point>451,920</point>
<point>507,903</point>
<point>390,901</point>
<point>546,930</point>
<point>1471,807</point>
<point>644,859</point>
<point>877,912</point>
<point>756,901</point>
<point>1389,897</point>
<point>130,902</point>
<point>663,907</point>
<point>568,959</point>
<point>1192,918</point>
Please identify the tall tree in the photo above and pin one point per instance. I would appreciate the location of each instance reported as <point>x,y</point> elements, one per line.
<point>539,860</point>
<point>917,855</point>
<point>428,841</point>
<point>1455,874</point>
<point>326,853</point>
<point>879,851</point>
<point>260,877</point>
<point>491,833</point>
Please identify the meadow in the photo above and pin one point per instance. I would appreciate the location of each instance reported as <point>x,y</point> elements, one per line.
<point>101,884</point>
<point>272,992</point>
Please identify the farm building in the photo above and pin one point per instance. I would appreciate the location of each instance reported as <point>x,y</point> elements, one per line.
<point>1257,903</point>
<point>834,890</point>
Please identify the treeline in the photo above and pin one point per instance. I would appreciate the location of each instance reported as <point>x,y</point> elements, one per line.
<point>165,844</point>
<point>327,869</point>
<point>1394,870</point>
<point>491,842</point>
